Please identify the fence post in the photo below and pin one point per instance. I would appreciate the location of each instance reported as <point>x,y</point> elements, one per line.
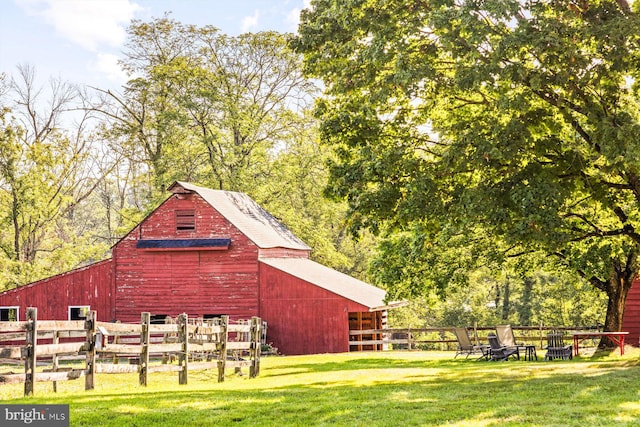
<point>541,337</point>
<point>30,351</point>
<point>183,359</point>
<point>145,321</point>
<point>90,349</point>
<point>475,333</point>
<point>222,349</point>
<point>254,369</point>
<point>54,360</point>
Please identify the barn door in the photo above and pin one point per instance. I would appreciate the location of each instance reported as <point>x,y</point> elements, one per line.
<point>370,325</point>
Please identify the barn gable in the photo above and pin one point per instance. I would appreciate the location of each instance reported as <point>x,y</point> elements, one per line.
<point>251,219</point>
<point>186,257</point>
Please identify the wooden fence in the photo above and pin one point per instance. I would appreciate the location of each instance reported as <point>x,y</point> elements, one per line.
<point>444,338</point>
<point>195,345</point>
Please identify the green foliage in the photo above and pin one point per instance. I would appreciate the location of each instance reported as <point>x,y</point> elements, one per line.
<point>44,175</point>
<point>540,298</point>
<point>452,121</point>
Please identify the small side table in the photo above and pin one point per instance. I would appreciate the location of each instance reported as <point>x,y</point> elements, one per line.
<point>530,352</point>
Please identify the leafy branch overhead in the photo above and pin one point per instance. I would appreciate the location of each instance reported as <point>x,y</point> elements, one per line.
<point>519,120</point>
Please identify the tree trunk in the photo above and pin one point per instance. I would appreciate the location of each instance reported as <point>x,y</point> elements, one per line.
<point>525,310</point>
<point>505,300</point>
<point>617,290</point>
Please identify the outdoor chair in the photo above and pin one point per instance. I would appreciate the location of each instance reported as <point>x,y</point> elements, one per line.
<point>556,348</point>
<point>500,352</point>
<point>465,346</point>
<point>507,338</point>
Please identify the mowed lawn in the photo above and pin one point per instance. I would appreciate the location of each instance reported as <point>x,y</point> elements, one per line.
<point>395,388</point>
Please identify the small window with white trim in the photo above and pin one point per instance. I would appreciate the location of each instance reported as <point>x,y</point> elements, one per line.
<point>78,312</point>
<point>9,314</point>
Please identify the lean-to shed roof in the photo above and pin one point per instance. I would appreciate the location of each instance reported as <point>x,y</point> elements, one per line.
<point>330,280</point>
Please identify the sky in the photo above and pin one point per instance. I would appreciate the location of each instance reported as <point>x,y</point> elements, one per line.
<point>80,41</point>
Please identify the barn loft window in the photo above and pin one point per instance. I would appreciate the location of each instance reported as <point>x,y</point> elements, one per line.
<point>78,312</point>
<point>9,314</point>
<point>159,319</point>
<point>185,220</point>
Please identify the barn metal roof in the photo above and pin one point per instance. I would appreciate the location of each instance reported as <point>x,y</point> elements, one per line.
<point>252,220</point>
<point>331,280</point>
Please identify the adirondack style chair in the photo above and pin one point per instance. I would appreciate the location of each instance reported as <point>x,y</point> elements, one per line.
<point>500,352</point>
<point>465,346</point>
<point>556,348</point>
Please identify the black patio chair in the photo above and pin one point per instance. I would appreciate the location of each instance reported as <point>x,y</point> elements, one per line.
<point>500,352</point>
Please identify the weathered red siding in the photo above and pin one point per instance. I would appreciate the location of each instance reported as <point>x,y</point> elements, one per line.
<point>91,285</point>
<point>204,280</point>
<point>198,282</point>
<point>631,320</point>
<point>303,318</point>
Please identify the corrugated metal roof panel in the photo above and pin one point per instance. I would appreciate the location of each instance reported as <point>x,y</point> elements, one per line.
<point>252,220</point>
<point>330,280</point>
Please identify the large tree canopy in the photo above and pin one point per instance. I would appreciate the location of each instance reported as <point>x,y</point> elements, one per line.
<point>454,120</point>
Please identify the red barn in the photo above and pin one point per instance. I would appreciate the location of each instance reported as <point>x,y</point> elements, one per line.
<point>209,253</point>
<point>631,320</point>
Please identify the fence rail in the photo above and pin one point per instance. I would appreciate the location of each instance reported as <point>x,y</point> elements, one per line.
<point>196,346</point>
<point>444,337</point>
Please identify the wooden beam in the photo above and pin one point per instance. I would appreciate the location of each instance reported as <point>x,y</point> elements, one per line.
<point>65,348</point>
<point>238,345</point>
<point>60,325</point>
<point>10,352</point>
<point>13,326</point>
<point>120,328</point>
<point>165,348</point>
<point>122,349</point>
<point>110,368</point>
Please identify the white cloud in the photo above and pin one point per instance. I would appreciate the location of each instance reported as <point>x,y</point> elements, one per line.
<point>250,22</point>
<point>89,24</point>
<point>293,18</point>
<point>107,65</point>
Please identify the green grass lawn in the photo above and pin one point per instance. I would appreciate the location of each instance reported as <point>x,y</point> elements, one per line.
<point>364,389</point>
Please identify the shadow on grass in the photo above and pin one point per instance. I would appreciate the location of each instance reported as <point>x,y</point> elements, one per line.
<point>377,391</point>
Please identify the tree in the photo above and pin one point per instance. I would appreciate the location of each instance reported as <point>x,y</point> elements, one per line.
<point>457,120</point>
<point>45,173</point>
<point>147,124</point>
<point>203,106</point>
<point>251,93</point>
